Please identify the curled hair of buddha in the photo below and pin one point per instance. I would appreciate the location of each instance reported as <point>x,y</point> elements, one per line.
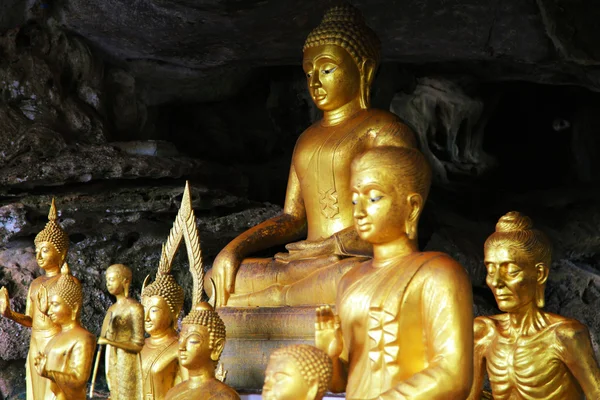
<point>53,232</point>
<point>203,314</point>
<point>68,288</point>
<point>408,165</point>
<point>345,26</point>
<point>311,362</point>
<point>516,231</point>
<point>166,286</point>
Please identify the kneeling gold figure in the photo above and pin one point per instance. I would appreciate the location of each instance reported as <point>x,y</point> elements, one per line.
<point>529,353</point>
<point>297,372</point>
<point>67,359</point>
<point>405,325</point>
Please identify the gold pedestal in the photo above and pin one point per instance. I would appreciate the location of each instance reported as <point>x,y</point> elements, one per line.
<point>253,333</point>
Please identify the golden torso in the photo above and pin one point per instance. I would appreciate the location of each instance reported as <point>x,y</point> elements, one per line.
<point>211,389</point>
<point>527,367</point>
<point>388,319</point>
<point>160,367</point>
<point>125,322</point>
<point>322,163</point>
<point>70,353</point>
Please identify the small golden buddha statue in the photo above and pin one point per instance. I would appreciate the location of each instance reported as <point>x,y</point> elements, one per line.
<point>297,372</point>
<point>405,317</point>
<point>123,334</point>
<point>340,60</point>
<point>67,359</point>
<point>51,246</point>
<point>529,353</point>
<point>201,343</point>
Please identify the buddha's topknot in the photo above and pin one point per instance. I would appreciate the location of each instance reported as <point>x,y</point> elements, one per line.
<point>53,233</point>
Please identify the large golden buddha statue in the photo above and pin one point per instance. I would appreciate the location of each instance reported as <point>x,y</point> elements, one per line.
<point>51,246</point>
<point>405,320</point>
<point>529,353</point>
<point>67,359</point>
<point>340,60</point>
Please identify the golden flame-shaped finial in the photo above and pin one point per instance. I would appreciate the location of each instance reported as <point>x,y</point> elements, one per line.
<point>52,214</point>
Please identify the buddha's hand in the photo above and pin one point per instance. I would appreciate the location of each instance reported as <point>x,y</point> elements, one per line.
<point>43,299</point>
<point>328,333</point>
<point>224,267</point>
<point>40,363</point>
<point>307,249</point>
<point>4,303</point>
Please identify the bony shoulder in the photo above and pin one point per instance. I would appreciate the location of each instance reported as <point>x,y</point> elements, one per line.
<point>568,330</point>
<point>483,326</point>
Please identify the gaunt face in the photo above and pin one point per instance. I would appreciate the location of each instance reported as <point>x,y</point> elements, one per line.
<point>115,283</point>
<point>194,351</point>
<point>59,311</point>
<point>513,280</point>
<point>283,380</point>
<point>157,315</point>
<point>47,256</point>
<point>332,75</point>
<point>380,210</point>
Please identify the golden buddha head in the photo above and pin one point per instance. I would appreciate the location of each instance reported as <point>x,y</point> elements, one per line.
<point>297,372</point>
<point>389,188</point>
<point>52,243</point>
<point>202,337</point>
<point>341,56</point>
<point>517,258</point>
<point>162,301</point>
<point>118,279</point>
<point>65,298</point>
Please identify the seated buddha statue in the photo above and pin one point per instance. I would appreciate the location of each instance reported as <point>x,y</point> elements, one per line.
<point>528,353</point>
<point>405,317</point>
<point>66,361</point>
<point>51,246</point>
<point>123,334</point>
<point>340,60</point>
<point>295,372</point>
<point>201,343</point>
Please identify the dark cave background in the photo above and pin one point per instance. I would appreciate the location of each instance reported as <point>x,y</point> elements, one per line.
<point>110,106</point>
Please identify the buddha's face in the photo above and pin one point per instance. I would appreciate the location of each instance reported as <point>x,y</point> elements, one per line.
<point>333,76</point>
<point>512,279</point>
<point>47,256</point>
<point>115,283</point>
<point>157,315</point>
<point>59,311</point>
<point>194,351</point>
<point>283,380</point>
<point>380,209</point>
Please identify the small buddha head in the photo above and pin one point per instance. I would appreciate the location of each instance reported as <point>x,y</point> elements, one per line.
<point>52,243</point>
<point>389,188</point>
<point>202,337</point>
<point>118,279</point>
<point>341,56</point>
<point>297,372</point>
<point>162,301</point>
<point>65,298</point>
<point>517,258</point>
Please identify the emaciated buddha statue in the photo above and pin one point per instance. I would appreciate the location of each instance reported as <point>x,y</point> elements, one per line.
<point>123,334</point>
<point>51,246</point>
<point>529,353</point>
<point>341,56</point>
<point>67,359</point>
<point>405,319</point>
<point>297,372</point>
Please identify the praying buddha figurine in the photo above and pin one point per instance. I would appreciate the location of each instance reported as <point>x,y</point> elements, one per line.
<point>202,335</point>
<point>405,320</point>
<point>529,353</point>
<point>67,359</point>
<point>123,335</point>
<point>51,246</point>
<point>341,56</point>
<point>297,372</point>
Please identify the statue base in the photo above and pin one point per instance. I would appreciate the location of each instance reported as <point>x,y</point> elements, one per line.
<point>254,332</point>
